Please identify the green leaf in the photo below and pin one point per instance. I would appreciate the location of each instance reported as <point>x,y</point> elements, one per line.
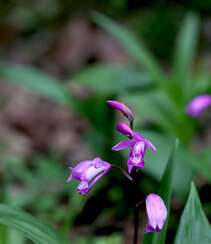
<point>133,46</point>
<point>35,81</point>
<point>201,81</point>
<point>15,236</point>
<point>183,171</point>
<point>32,228</point>
<point>187,162</point>
<point>109,79</point>
<point>165,191</point>
<point>154,106</point>
<point>3,234</point>
<point>194,227</point>
<point>204,168</point>
<point>186,48</point>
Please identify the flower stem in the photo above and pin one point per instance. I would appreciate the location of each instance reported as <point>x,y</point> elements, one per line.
<point>123,171</point>
<point>135,208</point>
<point>136,224</point>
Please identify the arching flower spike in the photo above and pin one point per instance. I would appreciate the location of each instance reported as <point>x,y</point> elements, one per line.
<point>122,108</point>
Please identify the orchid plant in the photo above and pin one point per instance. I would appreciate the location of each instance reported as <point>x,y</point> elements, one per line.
<point>89,172</point>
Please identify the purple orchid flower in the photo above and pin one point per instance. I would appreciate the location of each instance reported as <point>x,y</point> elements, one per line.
<point>137,144</point>
<point>156,212</point>
<point>122,108</point>
<point>88,173</point>
<point>198,105</point>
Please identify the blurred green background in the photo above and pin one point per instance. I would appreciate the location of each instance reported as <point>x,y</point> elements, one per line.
<point>60,61</point>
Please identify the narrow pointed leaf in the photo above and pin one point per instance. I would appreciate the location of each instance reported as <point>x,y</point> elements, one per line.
<point>194,227</point>
<point>35,81</point>
<point>132,45</point>
<point>112,79</point>
<point>32,228</point>
<point>186,47</point>
<point>165,191</point>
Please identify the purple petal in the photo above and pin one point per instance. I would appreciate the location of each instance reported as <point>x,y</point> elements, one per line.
<point>98,177</point>
<point>198,105</point>
<point>139,148</point>
<point>140,164</point>
<point>149,144</point>
<point>149,229</point>
<point>88,173</point>
<point>124,129</point>
<point>123,145</point>
<point>136,156</point>
<point>156,211</point>
<point>137,136</point>
<point>137,153</point>
<point>80,168</point>
<point>130,168</point>
<point>122,108</point>
<point>98,162</point>
<point>83,188</point>
<point>137,162</point>
<point>96,170</point>
<point>131,165</point>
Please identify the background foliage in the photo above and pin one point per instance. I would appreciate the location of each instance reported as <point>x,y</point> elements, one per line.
<point>57,69</point>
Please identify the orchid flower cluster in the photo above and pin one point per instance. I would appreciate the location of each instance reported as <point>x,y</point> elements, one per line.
<point>89,172</point>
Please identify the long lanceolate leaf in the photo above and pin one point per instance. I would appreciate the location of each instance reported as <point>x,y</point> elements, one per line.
<point>186,48</point>
<point>165,191</point>
<point>35,81</point>
<point>194,227</point>
<point>109,79</point>
<point>32,228</point>
<point>133,46</point>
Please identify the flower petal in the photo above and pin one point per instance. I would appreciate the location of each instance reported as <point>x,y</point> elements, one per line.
<point>88,173</point>
<point>83,188</point>
<point>123,145</point>
<point>130,168</point>
<point>149,144</point>
<point>156,211</point>
<point>149,228</point>
<point>80,168</point>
